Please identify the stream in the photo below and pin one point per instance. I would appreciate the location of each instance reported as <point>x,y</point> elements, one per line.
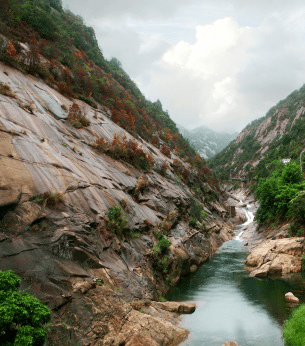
<point>230,304</point>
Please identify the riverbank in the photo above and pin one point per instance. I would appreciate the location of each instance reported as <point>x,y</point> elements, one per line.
<point>231,305</point>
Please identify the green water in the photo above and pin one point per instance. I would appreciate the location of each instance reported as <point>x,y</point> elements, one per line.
<point>233,306</point>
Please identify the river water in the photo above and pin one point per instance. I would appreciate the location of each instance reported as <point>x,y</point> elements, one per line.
<point>231,305</point>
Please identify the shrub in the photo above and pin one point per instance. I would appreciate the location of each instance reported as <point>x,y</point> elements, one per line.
<point>22,315</point>
<point>196,214</point>
<point>126,150</point>
<point>294,329</point>
<point>5,89</point>
<point>159,255</point>
<point>165,150</point>
<point>142,184</point>
<point>164,167</point>
<point>169,222</point>
<point>117,222</point>
<point>50,200</point>
<point>76,117</point>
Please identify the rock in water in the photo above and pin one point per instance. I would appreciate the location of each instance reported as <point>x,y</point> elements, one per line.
<point>290,297</point>
<point>231,343</point>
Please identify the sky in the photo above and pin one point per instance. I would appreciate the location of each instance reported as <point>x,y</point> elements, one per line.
<point>218,63</point>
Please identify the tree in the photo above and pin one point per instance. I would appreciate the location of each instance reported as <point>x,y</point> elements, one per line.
<point>57,4</point>
<point>276,192</point>
<point>22,315</point>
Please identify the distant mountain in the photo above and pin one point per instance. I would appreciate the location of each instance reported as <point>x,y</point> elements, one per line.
<point>279,135</point>
<point>205,141</point>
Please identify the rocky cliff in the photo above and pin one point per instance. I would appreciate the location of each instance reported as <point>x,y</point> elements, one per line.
<point>277,136</point>
<point>56,190</point>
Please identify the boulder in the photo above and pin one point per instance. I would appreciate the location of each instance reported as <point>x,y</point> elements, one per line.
<point>280,256</point>
<point>179,307</point>
<point>231,343</point>
<point>290,297</point>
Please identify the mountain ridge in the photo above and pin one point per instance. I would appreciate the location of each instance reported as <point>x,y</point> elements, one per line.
<point>280,134</point>
<point>205,141</point>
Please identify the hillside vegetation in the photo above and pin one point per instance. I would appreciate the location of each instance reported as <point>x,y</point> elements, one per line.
<point>266,157</point>
<point>278,135</point>
<point>64,52</point>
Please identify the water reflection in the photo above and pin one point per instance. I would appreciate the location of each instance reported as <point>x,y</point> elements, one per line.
<point>232,306</point>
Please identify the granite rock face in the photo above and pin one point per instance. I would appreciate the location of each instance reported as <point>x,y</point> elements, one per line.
<point>55,192</point>
<point>290,297</point>
<point>280,256</point>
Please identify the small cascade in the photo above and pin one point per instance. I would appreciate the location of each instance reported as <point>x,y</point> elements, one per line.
<point>230,304</point>
<point>250,219</point>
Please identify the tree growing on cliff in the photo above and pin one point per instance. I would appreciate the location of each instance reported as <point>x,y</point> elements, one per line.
<point>22,315</point>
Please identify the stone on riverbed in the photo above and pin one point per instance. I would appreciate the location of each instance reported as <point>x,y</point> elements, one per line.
<point>290,297</point>
<point>230,343</point>
<point>180,308</point>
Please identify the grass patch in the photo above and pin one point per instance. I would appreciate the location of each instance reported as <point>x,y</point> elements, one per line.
<point>294,329</point>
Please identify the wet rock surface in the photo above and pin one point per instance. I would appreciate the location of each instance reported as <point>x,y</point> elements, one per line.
<point>55,192</point>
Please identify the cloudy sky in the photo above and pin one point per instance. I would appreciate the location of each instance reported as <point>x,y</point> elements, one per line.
<point>219,63</point>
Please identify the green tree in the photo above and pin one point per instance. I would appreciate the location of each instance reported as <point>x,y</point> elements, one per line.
<point>276,192</point>
<point>22,315</point>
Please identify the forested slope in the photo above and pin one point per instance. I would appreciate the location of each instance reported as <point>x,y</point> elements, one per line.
<point>278,135</point>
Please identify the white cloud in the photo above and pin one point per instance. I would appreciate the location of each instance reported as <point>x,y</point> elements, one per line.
<point>219,63</point>
<point>213,62</point>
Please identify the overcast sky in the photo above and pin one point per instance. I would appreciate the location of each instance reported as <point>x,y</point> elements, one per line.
<point>219,63</point>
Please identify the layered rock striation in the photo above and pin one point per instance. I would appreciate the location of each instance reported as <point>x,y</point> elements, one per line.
<point>56,189</point>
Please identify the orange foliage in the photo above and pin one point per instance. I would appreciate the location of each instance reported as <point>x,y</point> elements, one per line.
<point>11,50</point>
<point>127,150</point>
<point>168,135</point>
<point>76,116</point>
<point>78,54</point>
<point>165,151</point>
<point>155,141</point>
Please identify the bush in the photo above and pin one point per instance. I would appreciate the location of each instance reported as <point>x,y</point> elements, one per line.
<point>294,329</point>
<point>5,89</point>
<point>128,151</point>
<point>50,200</point>
<point>117,222</point>
<point>22,315</point>
<point>159,256</point>
<point>76,117</point>
<point>196,214</point>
